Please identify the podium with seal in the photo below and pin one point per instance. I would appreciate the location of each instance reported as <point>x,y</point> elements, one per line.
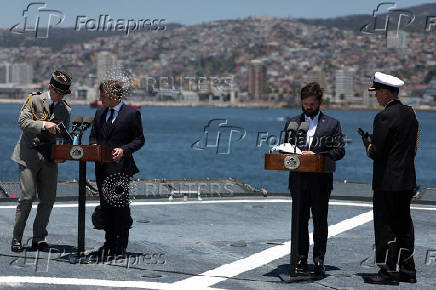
<point>81,153</point>
<point>297,163</point>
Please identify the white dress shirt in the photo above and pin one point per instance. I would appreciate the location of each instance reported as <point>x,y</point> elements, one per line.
<point>117,108</point>
<point>312,128</point>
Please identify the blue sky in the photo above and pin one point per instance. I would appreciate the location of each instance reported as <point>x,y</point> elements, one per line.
<point>196,11</point>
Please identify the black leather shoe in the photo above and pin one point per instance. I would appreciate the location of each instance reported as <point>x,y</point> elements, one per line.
<point>407,278</point>
<point>104,253</point>
<point>40,246</point>
<point>301,265</point>
<point>383,278</point>
<point>16,246</point>
<point>319,270</point>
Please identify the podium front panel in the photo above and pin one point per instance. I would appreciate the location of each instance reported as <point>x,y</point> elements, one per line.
<point>82,153</point>
<point>299,163</point>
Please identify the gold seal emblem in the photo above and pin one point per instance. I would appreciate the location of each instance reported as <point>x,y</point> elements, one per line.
<point>291,162</point>
<point>76,152</point>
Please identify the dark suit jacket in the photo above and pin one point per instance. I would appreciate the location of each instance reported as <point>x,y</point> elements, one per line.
<point>126,133</point>
<point>393,148</point>
<point>327,141</point>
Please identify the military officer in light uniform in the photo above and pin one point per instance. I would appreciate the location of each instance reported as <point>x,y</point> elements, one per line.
<point>38,119</point>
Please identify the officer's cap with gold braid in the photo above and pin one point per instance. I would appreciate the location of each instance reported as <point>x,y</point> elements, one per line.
<point>61,82</point>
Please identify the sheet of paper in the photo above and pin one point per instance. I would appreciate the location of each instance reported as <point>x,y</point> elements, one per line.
<point>285,148</point>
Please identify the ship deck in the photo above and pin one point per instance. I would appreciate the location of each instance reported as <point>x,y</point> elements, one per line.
<point>228,242</point>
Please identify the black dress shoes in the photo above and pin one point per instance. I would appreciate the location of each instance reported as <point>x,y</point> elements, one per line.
<point>301,265</point>
<point>407,278</point>
<point>383,278</point>
<point>319,268</point>
<point>16,246</point>
<point>40,246</point>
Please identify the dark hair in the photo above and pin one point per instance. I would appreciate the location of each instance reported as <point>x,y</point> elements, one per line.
<point>312,89</point>
<point>394,91</point>
<point>113,87</point>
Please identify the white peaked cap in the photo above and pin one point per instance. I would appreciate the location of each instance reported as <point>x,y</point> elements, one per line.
<point>387,80</point>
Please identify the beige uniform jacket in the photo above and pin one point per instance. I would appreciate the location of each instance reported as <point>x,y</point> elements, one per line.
<point>30,121</point>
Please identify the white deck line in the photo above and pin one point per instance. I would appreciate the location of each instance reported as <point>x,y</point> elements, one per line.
<point>256,260</point>
<point>145,203</point>
<point>19,280</point>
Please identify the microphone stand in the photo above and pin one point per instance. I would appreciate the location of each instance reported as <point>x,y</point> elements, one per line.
<point>296,141</point>
<point>82,203</point>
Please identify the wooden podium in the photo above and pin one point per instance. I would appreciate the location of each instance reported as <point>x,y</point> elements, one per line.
<point>95,153</point>
<point>297,163</point>
<point>81,153</point>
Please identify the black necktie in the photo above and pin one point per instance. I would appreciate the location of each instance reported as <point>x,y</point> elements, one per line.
<point>51,108</point>
<point>109,120</point>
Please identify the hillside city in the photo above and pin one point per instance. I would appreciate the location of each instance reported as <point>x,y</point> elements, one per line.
<point>256,60</point>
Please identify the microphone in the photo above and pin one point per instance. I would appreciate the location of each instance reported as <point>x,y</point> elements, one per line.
<point>292,128</point>
<point>65,134</point>
<point>87,123</point>
<point>304,127</point>
<point>77,122</point>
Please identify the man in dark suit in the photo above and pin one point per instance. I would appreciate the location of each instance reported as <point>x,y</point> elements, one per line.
<point>312,190</point>
<point>119,127</point>
<point>393,146</point>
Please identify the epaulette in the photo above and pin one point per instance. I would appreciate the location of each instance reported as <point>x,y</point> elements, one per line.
<point>66,103</point>
<point>36,93</point>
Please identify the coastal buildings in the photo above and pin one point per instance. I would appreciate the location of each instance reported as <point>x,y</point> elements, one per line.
<point>257,80</point>
<point>106,64</point>
<point>16,73</point>
<point>287,51</point>
<point>344,85</point>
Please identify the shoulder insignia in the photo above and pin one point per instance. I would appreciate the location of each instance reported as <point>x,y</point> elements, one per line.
<point>36,93</point>
<point>66,103</point>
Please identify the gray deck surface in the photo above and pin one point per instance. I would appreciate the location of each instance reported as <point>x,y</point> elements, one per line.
<point>212,243</point>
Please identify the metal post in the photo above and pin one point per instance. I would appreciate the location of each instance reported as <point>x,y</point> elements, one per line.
<point>81,215</point>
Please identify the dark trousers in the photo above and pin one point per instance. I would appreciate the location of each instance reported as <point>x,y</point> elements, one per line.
<point>302,202</point>
<point>117,222</point>
<point>394,233</point>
